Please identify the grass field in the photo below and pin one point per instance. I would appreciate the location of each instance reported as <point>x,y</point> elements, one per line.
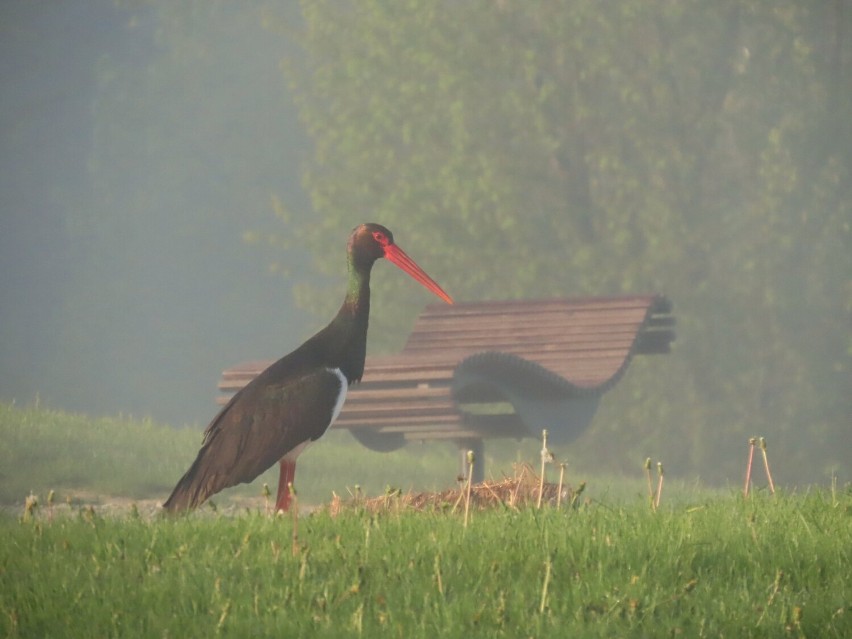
<point>78,456</point>
<point>764,567</point>
<point>99,459</point>
<point>706,564</point>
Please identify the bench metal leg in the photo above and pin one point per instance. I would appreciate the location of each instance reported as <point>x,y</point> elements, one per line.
<point>478,448</point>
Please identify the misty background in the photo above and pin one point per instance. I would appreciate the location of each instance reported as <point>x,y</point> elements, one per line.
<point>140,143</point>
<point>178,180</point>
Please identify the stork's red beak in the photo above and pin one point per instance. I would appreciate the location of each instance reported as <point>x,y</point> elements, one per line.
<point>396,255</point>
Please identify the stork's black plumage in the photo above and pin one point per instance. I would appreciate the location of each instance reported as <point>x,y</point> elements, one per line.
<point>297,398</point>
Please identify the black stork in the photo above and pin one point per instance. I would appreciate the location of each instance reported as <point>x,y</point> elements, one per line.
<point>294,401</point>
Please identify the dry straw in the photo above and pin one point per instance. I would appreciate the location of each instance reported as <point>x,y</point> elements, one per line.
<point>516,492</point>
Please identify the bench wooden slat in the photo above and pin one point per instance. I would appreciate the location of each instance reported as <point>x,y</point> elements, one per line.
<point>470,344</point>
<point>361,393</point>
<point>585,372</point>
<point>441,370</point>
<point>397,419</point>
<point>532,306</point>
<point>454,435</point>
<point>398,408</point>
<point>579,317</point>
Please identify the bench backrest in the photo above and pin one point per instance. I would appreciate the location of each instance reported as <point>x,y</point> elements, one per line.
<point>584,340</point>
<point>587,341</point>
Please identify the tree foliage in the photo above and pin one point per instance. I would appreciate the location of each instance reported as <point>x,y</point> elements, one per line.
<point>192,131</point>
<point>699,149</point>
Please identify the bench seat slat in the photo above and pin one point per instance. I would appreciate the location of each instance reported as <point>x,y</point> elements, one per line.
<point>397,419</point>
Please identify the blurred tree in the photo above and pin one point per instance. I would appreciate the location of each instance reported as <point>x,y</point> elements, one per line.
<point>194,132</point>
<point>533,149</point>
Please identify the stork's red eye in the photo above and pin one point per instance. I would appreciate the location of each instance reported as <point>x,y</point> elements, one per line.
<point>381,238</point>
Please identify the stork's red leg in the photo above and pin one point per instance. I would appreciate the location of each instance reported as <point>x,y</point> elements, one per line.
<point>287,476</point>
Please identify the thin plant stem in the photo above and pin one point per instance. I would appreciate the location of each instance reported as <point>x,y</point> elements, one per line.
<point>471,459</point>
<point>30,506</point>
<point>294,513</point>
<point>766,465</point>
<point>266,499</point>
<point>659,485</point>
<point>545,454</point>
<point>650,483</point>
<point>751,442</point>
<point>776,587</point>
<point>561,481</point>
<point>575,498</point>
<point>543,604</point>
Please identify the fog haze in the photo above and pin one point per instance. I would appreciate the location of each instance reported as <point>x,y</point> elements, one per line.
<point>177,181</point>
<point>126,281</point>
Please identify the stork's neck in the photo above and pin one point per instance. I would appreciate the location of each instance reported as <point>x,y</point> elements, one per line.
<point>357,300</point>
<point>348,330</point>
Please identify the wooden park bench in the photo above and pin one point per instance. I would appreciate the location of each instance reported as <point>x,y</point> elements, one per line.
<point>477,370</point>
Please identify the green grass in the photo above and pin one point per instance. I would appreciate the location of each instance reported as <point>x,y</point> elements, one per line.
<point>76,455</point>
<point>763,567</point>
<point>44,449</point>
<point>98,459</point>
<point>707,564</point>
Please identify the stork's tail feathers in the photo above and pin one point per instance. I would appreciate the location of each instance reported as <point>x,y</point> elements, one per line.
<point>180,500</point>
<point>192,490</point>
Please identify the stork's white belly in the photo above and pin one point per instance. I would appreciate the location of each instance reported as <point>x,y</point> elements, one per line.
<point>341,397</point>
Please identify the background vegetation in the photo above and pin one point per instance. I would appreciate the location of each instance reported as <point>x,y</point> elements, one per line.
<point>140,142</point>
<point>518,150</point>
<point>701,150</point>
